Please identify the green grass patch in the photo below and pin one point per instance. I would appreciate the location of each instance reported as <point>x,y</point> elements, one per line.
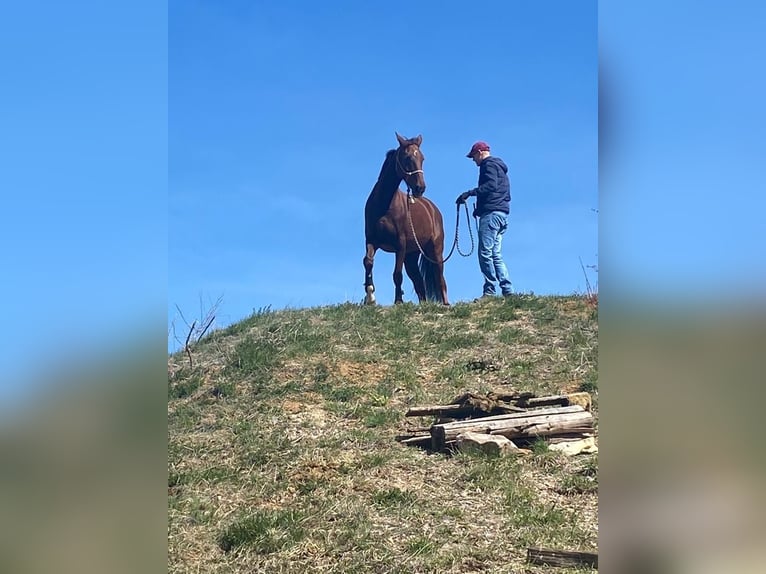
<point>379,417</point>
<point>589,385</point>
<point>255,354</point>
<point>460,340</point>
<point>513,336</point>
<point>461,310</point>
<point>393,497</point>
<point>578,484</point>
<point>540,446</point>
<point>225,388</point>
<point>184,383</point>
<point>302,337</point>
<point>336,392</point>
<point>186,416</point>
<point>422,546</point>
<point>265,531</point>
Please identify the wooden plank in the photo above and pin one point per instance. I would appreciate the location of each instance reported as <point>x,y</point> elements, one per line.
<point>565,558</point>
<point>422,440</point>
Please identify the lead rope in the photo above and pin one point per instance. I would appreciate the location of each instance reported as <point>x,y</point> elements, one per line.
<point>470,233</point>
<point>457,227</point>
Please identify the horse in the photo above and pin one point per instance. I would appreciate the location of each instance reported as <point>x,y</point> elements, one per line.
<point>406,224</point>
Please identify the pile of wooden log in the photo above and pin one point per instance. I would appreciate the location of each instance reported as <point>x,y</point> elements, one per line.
<point>519,417</point>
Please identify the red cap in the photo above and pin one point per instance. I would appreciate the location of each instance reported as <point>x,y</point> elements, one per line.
<point>477,147</point>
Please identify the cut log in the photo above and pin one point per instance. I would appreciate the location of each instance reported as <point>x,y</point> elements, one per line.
<point>565,558</point>
<point>582,399</point>
<point>458,411</point>
<point>529,424</point>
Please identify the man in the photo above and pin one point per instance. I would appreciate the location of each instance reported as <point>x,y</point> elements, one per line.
<point>493,205</point>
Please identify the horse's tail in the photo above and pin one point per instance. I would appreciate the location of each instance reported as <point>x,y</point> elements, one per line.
<point>430,274</point>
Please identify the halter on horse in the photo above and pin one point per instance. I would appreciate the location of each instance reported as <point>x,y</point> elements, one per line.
<point>414,232</point>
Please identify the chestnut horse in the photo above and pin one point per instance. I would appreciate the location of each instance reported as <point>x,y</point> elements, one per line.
<point>406,224</point>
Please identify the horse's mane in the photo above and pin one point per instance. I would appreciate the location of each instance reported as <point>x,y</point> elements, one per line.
<point>389,156</point>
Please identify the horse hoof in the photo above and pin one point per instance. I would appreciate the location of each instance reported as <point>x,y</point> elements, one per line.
<point>369,298</point>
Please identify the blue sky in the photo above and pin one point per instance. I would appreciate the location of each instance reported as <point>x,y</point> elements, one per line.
<point>280,115</point>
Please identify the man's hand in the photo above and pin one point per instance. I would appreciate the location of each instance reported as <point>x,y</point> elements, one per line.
<point>463,197</point>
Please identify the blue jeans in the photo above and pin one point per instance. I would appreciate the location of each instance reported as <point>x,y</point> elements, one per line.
<point>492,226</point>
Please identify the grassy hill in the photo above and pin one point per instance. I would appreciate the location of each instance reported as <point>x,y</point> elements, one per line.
<point>281,440</point>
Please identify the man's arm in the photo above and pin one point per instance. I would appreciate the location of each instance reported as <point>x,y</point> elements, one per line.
<point>465,195</point>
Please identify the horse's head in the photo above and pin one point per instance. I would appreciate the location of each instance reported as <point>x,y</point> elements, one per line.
<point>409,164</point>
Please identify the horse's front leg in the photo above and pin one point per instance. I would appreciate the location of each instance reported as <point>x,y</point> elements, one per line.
<point>369,286</point>
<point>398,277</point>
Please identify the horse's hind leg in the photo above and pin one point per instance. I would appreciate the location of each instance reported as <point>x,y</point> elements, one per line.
<point>411,266</point>
<point>443,283</point>
<point>436,255</point>
<point>369,286</point>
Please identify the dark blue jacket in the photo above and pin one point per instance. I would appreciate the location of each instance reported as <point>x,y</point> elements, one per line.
<point>494,191</point>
